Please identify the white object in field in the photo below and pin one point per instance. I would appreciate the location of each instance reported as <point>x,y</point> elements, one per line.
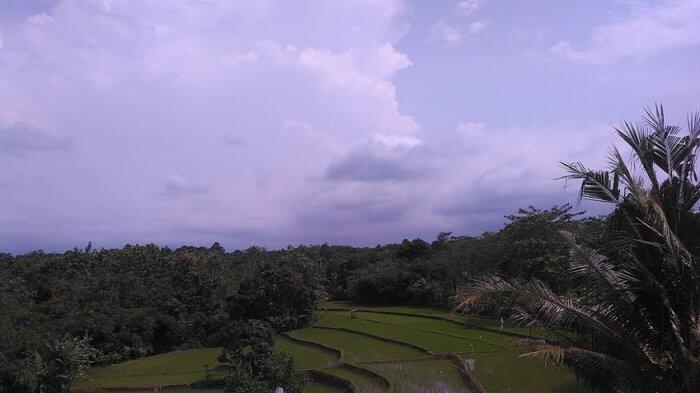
<point>501,323</point>
<point>279,390</point>
<point>469,364</point>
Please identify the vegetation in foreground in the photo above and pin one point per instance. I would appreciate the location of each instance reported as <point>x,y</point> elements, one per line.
<point>631,320</point>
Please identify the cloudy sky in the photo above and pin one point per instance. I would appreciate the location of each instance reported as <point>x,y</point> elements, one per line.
<point>285,122</point>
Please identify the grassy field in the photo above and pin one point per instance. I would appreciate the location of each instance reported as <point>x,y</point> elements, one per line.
<point>384,349</point>
<point>423,376</point>
<point>431,341</point>
<point>356,347</point>
<point>362,381</point>
<point>507,372</point>
<point>168,368</point>
<point>306,356</point>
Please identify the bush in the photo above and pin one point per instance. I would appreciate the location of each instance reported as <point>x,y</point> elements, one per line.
<point>252,363</point>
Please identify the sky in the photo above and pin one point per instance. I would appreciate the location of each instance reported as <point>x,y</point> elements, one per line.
<point>278,123</point>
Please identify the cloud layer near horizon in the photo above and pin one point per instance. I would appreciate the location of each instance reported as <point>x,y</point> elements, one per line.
<point>246,123</point>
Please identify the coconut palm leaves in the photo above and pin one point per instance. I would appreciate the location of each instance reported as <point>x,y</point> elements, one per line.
<point>631,322</point>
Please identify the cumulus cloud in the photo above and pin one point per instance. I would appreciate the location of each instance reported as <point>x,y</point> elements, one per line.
<point>144,89</point>
<point>150,97</point>
<point>644,31</point>
<point>382,158</point>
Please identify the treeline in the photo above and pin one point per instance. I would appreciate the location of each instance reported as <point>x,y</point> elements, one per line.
<point>61,311</point>
<point>431,274</point>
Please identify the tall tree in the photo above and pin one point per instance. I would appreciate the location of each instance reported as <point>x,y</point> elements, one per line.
<point>631,322</point>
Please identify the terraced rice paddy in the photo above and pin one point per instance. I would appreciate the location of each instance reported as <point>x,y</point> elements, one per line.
<point>357,347</point>
<point>422,376</point>
<point>306,356</point>
<point>165,369</point>
<point>382,349</point>
<point>373,340</point>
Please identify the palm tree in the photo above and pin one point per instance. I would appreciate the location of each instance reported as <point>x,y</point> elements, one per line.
<point>631,322</point>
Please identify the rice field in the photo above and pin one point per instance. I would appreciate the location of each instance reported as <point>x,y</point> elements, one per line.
<point>422,376</point>
<point>178,367</point>
<point>356,347</point>
<point>363,381</point>
<point>306,356</point>
<point>382,349</point>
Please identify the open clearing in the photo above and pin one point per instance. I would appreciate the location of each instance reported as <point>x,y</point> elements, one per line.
<point>384,349</point>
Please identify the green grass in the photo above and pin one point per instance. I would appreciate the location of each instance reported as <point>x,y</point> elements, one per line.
<point>435,335</point>
<point>168,390</point>
<point>319,387</point>
<point>425,376</point>
<point>357,347</point>
<point>168,368</point>
<point>363,382</point>
<point>399,309</point>
<point>507,372</point>
<point>305,356</point>
<point>489,322</point>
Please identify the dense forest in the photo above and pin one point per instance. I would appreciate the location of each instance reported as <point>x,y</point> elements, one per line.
<point>64,311</point>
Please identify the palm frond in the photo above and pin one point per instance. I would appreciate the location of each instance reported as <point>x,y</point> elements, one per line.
<point>601,370</point>
<point>637,137</point>
<point>535,297</point>
<point>597,185</point>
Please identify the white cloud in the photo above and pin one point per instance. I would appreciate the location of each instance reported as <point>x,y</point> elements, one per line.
<point>469,6</point>
<point>395,142</point>
<point>39,19</point>
<point>471,130</point>
<point>477,26</point>
<point>240,58</point>
<point>646,30</point>
<point>452,35</point>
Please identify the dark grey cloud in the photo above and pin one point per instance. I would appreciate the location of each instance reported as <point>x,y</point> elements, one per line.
<point>21,138</point>
<point>368,165</point>
<point>178,186</point>
<point>231,140</point>
<point>362,219</point>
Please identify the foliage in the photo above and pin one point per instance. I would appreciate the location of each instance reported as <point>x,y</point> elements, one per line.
<point>631,321</point>
<point>415,272</point>
<point>252,363</point>
<point>61,362</point>
<point>284,293</point>
<point>140,300</point>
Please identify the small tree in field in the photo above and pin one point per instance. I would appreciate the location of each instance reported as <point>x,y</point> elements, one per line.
<point>252,363</point>
<point>631,321</point>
